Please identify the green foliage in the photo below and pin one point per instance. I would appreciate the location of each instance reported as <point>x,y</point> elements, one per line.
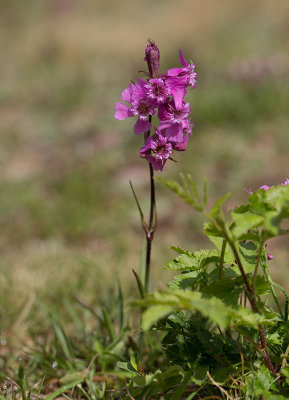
<point>187,191</point>
<point>217,303</point>
<point>163,303</point>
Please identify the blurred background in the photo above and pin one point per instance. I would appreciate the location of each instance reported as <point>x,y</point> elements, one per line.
<point>69,223</point>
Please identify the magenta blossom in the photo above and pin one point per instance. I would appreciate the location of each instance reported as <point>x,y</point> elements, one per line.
<point>172,114</point>
<point>187,132</point>
<point>157,90</point>
<point>182,77</point>
<point>165,94</point>
<point>156,150</point>
<point>141,106</point>
<point>265,187</point>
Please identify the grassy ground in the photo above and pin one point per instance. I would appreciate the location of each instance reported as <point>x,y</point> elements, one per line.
<point>69,224</point>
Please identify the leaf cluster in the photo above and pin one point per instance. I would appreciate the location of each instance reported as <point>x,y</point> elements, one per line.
<point>221,314</point>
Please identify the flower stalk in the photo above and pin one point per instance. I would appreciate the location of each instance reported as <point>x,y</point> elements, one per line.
<point>161,95</point>
<point>151,228</point>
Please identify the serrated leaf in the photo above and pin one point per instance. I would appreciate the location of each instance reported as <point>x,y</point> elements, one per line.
<point>273,205</point>
<point>193,261</point>
<point>245,222</point>
<point>262,286</point>
<point>229,257</point>
<point>185,280</point>
<point>179,250</point>
<point>184,193</point>
<point>161,304</point>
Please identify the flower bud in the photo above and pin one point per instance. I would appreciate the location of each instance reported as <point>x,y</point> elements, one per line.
<point>152,57</point>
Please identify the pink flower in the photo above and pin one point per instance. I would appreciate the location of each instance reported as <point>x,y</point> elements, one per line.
<point>182,77</point>
<point>165,93</point>
<point>265,187</point>
<point>156,150</point>
<point>186,131</point>
<point>141,106</point>
<point>157,90</point>
<point>172,115</point>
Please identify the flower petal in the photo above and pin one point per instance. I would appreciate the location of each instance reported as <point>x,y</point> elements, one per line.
<point>146,147</point>
<point>126,94</point>
<point>122,111</point>
<point>174,133</point>
<point>178,95</point>
<point>141,126</point>
<point>181,146</point>
<point>182,60</point>
<point>265,187</point>
<point>175,71</point>
<point>156,164</point>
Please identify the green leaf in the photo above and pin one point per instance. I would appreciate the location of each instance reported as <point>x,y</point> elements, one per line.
<point>182,387</point>
<point>134,360</point>
<point>140,286</point>
<point>273,205</point>
<point>273,221</point>
<point>216,209</point>
<point>188,193</point>
<point>62,390</point>
<point>260,384</point>
<point>161,304</point>
<point>217,239</point>
<point>185,280</point>
<point>180,250</point>
<point>126,366</point>
<point>262,286</point>
<point>244,222</point>
<point>154,313</point>
<point>248,253</point>
<point>193,261</point>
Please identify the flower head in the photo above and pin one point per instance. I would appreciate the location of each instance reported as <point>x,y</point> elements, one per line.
<point>156,150</point>
<point>141,106</point>
<point>157,90</point>
<point>165,94</point>
<point>182,77</point>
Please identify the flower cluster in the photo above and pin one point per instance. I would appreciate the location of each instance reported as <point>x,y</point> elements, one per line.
<point>161,95</point>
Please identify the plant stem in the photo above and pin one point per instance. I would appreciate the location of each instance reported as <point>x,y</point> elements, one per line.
<point>260,250</point>
<point>221,264</point>
<point>252,299</point>
<point>151,228</point>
